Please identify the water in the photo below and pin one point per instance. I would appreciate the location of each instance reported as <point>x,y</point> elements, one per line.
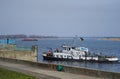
<point>94,45</point>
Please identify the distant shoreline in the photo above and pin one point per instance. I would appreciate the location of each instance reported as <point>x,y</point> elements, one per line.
<point>111,38</point>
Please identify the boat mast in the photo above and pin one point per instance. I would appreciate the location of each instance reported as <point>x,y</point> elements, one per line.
<point>74,40</point>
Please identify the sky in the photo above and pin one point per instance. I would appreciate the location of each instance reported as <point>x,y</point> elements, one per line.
<point>60,17</point>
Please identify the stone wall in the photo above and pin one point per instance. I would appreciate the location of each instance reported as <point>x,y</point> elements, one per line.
<point>9,51</point>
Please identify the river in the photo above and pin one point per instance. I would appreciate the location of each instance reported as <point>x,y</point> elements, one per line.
<point>107,47</point>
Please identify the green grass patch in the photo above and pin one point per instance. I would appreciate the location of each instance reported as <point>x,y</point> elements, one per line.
<point>8,74</point>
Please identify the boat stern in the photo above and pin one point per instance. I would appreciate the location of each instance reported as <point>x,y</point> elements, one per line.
<point>114,59</point>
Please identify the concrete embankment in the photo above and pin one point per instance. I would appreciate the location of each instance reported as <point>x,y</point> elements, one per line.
<point>21,53</point>
<point>93,74</point>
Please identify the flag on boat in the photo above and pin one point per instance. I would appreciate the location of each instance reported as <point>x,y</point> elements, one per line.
<point>81,39</point>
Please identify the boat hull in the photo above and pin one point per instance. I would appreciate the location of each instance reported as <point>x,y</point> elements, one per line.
<point>79,60</point>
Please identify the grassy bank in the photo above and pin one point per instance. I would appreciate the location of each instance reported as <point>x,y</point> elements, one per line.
<point>7,74</point>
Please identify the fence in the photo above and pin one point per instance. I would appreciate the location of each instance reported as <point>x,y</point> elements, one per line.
<point>14,47</point>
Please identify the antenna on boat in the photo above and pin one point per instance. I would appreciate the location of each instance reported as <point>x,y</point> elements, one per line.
<point>74,40</point>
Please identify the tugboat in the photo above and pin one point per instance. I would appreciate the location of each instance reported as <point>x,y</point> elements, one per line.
<point>77,54</point>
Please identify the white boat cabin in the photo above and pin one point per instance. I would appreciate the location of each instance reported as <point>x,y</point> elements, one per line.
<point>71,52</point>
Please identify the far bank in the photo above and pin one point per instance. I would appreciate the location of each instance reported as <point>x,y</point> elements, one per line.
<point>111,38</point>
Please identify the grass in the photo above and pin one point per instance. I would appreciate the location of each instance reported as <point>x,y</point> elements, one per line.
<point>8,74</point>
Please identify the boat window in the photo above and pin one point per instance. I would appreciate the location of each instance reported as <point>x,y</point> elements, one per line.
<point>80,56</point>
<point>57,50</point>
<point>64,55</point>
<point>67,56</point>
<point>57,56</point>
<point>69,49</point>
<point>61,56</point>
<point>73,47</point>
